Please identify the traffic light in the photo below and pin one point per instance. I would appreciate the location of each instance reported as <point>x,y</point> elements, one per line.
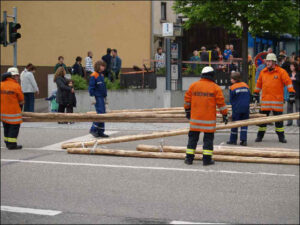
<point>13,32</point>
<point>3,40</point>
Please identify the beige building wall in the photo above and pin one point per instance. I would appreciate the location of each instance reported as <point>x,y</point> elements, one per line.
<point>71,28</point>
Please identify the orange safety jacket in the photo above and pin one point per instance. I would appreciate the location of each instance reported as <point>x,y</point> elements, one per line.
<point>11,98</point>
<point>271,83</point>
<point>202,98</point>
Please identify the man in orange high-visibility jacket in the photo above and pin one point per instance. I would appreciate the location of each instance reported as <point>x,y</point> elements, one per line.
<point>11,100</point>
<point>200,103</point>
<point>271,82</point>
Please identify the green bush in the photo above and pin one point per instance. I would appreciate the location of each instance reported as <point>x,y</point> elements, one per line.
<point>79,82</point>
<point>112,85</point>
<point>196,71</point>
<point>161,71</point>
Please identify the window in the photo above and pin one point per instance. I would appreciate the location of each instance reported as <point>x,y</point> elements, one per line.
<point>163,11</point>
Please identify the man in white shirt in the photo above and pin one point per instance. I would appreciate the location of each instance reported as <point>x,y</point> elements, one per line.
<point>160,59</point>
<point>89,69</point>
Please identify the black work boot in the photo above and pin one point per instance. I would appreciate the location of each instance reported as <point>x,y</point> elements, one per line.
<point>103,135</point>
<point>281,137</point>
<point>95,134</point>
<point>207,160</point>
<point>189,159</point>
<point>14,146</point>
<point>243,143</point>
<point>260,136</point>
<point>231,143</point>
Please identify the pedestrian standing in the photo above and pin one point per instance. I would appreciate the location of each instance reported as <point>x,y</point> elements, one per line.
<point>71,97</point>
<point>116,63</point>
<point>160,59</point>
<point>240,102</point>
<point>98,93</point>
<point>77,67</point>
<point>108,60</point>
<point>53,103</point>
<point>295,77</point>
<point>200,103</point>
<point>227,52</point>
<point>12,99</point>
<point>63,90</point>
<point>29,87</point>
<point>60,63</point>
<point>195,58</point>
<point>233,52</point>
<point>89,69</point>
<point>271,82</point>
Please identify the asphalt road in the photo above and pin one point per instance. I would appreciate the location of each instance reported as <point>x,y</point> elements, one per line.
<point>107,189</point>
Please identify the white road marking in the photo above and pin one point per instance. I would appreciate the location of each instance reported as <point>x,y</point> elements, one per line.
<point>30,210</point>
<point>84,138</point>
<point>149,168</point>
<point>186,222</point>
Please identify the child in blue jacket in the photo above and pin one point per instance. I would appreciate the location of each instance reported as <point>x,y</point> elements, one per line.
<point>98,93</point>
<point>240,100</point>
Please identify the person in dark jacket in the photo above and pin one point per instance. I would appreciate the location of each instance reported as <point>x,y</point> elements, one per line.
<point>60,63</point>
<point>240,101</point>
<point>108,59</point>
<point>295,77</point>
<point>63,90</point>
<point>204,56</point>
<point>116,63</point>
<point>77,67</point>
<point>98,93</point>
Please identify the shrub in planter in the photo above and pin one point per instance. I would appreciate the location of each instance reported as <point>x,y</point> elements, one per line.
<point>161,71</point>
<point>112,85</point>
<point>79,82</point>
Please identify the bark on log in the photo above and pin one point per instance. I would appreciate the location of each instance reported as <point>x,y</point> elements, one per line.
<point>162,155</point>
<point>222,151</point>
<point>154,135</point>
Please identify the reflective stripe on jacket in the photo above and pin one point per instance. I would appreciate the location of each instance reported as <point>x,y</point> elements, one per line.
<point>271,83</point>
<point>11,97</point>
<point>202,98</point>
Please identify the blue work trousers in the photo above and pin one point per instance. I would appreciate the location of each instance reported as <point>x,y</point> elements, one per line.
<point>99,127</point>
<point>29,102</point>
<point>234,131</point>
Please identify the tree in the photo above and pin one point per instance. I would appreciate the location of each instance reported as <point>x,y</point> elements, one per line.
<point>240,17</point>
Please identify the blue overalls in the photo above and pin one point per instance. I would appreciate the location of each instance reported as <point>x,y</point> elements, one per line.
<point>97,88</point>
<point>240,101</point>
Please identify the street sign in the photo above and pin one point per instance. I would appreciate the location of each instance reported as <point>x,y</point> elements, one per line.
<point>174,51</point>
<point>174,71</point>
<point>167,29</point>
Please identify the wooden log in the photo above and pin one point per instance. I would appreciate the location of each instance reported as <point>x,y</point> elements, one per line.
<point>222,151</point>
<point>159,109</point>
<point>110,117</point>
<point>154,135</point>
<point>163,155</point>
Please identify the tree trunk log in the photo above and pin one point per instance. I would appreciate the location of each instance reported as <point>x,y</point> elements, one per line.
<point>154,135</point>
<point>163,155</point>
<point>223,151</point>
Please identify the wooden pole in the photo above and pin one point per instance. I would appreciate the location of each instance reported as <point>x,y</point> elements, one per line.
<point>154,135</point>
<point>223,151</point>
<point>114,117</point>
<point>163,155</point>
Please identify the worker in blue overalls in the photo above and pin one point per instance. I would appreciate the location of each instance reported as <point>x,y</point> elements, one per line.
<point>240,100</point>
<point>98,93</point>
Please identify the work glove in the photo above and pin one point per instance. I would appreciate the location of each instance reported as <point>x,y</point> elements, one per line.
<point>188,113</point>
<point>93,100</point>
<point>291,97</point>
<point>225,119</point>
<point>255,97</point>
